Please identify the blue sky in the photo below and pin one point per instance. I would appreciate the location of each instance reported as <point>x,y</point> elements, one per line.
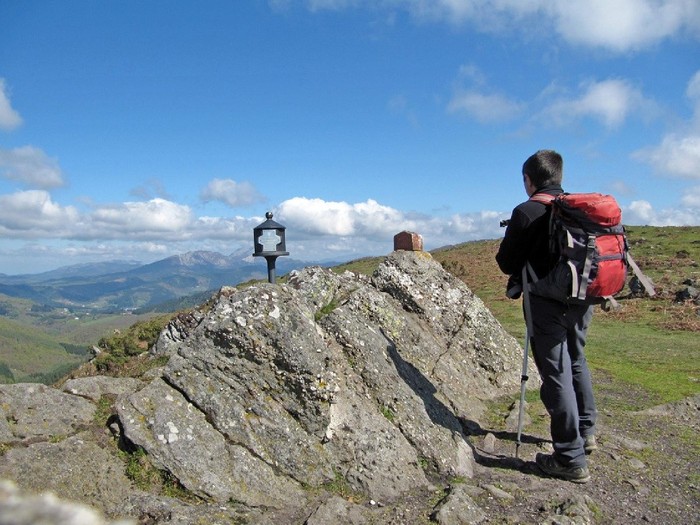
<point>138,130</point>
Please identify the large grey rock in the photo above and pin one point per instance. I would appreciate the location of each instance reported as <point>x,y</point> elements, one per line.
<point>275,396</point>
<point>75,468</point>
<point>172,511</point>
<point>6,435</point>
<point>458,508</point>
<point>339,510</point>
<point>38,411</point>
<point>475,348</point>
<point>180,440</point>
<point>97,386</point>
<point>259,367</point>
<point>330,375</point>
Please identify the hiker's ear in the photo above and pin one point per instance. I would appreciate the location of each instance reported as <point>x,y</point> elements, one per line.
<point>529,186</point>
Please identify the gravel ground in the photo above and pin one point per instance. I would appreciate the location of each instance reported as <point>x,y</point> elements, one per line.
<point>646,470</point>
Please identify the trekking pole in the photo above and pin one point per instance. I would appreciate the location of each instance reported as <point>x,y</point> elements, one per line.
<point>523,375</point>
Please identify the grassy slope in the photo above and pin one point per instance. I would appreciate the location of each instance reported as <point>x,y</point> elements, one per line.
<point>24,350</point>
<point>42,346</point>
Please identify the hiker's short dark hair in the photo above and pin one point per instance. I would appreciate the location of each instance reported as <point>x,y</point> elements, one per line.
<point>544,167</point>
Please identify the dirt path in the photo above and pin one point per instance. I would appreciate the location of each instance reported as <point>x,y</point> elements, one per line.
<point>646,470</point>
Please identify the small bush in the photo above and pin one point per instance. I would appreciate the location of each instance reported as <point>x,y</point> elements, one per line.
<point>141,471</point>
<point>325,310</point>
<point>146,476</point>
<point>136,340</point>
<point>388,413</point>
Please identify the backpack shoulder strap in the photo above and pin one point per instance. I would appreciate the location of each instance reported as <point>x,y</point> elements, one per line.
<point>646,283</point>
<point>544,198</point>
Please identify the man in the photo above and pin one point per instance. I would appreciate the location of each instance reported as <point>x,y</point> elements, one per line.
<point>559,329</point>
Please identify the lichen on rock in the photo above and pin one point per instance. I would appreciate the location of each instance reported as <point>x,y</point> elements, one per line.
<point>275,394</point>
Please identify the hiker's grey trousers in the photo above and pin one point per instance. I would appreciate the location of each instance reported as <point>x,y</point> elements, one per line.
<point>559,335</point>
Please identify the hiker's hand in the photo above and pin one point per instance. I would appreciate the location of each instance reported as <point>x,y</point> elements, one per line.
<point>514,287</point>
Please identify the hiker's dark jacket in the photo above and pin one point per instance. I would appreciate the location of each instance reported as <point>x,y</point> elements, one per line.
<point>527,237</point>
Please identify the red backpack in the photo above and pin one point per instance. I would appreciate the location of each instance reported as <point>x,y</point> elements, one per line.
<point>587,235</point>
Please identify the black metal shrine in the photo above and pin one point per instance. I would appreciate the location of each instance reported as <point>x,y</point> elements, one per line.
<point>269,242</point>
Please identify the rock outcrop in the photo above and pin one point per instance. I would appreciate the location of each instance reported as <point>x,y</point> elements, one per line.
<point>278,399</point>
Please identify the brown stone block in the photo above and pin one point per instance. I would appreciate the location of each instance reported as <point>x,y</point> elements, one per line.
<point>408,241</point>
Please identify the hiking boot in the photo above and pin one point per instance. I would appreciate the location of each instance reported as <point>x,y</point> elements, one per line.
<point>590,444</point>
<point>552,467</point>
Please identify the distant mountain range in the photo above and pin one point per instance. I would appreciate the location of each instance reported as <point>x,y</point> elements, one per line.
<point>123,285</point>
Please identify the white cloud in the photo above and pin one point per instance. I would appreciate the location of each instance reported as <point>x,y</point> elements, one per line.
<point>319,217</point>
<point>621,187</point>
<point>693,90</point>
<point>619,26</point>
<point>691,199</point>
<point>452,11</point>
<point>32,214</point>
<point>149,189</point>
<point>477,100</point>
<point>143,220</point>
<point>485,108</point>
<point>9,118</point>
<point>225,229</point>
<point>317,230</point>
<point>231,193</point>
<point>642,213</point>
<point>481,225</point>
<point>623,25</point>
<point>638,212</point>
<point>321,230</point>
<point>112,251</point>
<point>363,228</point>
<point>610,101</point>
<point>34,257</point>
<point>30,166</point>
<point>678,155</point>
<point>368,222</point>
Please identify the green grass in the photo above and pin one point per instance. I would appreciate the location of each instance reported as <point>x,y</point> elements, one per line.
<point>42,344</point>
<point>89,330</point>
<point>147,477</point>
<point>365,266</point>
<point>325,310</point>
<point>32,355</point>
<point>124,353</point>
<point>105,408</point>
<point>388,413</point>
<point>340,487</point>
<point>665,363</point>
